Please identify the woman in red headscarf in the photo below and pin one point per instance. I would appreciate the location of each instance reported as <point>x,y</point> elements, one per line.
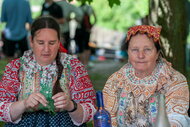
<point>46,87</point>
<point>131,93</point>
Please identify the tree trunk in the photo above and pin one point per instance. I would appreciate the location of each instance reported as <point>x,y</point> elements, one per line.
<point>171,16</point>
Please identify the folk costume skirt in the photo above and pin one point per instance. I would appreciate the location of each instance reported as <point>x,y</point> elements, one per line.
<point>44,119</point>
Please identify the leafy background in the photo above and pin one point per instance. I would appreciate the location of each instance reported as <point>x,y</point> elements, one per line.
<point>115,17</point>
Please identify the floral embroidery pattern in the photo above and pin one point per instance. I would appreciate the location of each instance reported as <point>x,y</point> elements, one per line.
<point>75,81</point>
<point>133,102</point>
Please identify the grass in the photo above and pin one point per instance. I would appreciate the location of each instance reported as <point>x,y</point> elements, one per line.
<point>2,66</point>
<point>98,80</point>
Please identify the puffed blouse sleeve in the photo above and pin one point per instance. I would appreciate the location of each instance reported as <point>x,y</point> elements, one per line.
<point>81,90</point>
<point>177,100</point>
<point>9,89</point>
<point>110,93</point>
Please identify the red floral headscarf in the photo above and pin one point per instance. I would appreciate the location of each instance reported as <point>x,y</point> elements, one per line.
<point>151,31</point>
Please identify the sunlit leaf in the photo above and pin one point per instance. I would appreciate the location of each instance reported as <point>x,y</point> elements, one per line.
<point>83,1</point>
<point>112,2</point>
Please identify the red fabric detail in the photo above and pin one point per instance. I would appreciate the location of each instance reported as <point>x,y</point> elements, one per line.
<point>62,49</point>
<point>80,86</point>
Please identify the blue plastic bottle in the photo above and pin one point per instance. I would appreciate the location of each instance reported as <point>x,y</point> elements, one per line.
<point>102,117</point>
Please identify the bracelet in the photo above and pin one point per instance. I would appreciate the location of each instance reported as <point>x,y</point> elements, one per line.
<point>75,106</point>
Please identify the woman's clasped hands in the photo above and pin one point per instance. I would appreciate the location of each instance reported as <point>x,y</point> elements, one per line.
<point>61,101</point>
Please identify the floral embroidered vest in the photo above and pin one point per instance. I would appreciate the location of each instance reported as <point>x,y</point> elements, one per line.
<point>36,78</point>
<point>138,106</point>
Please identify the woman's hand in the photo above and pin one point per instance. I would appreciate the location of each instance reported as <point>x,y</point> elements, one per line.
<point>34,100</point>
<point>62,102</point>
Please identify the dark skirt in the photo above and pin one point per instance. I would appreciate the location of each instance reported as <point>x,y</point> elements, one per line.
<point>44,119</point>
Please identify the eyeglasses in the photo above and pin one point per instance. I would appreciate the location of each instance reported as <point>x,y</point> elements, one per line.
<point>145,51</point>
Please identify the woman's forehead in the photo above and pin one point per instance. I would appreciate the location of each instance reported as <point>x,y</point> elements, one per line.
<point>141,37</point>
<point>141,40</point>
<point>46,32</point>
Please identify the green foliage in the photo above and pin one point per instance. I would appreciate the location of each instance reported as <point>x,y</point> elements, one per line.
<point>118,14</point>
<point>111,14</point>
<point>84,1</point>
<point>120,17</point>
<point>112,2</point>
<point>36,6</point>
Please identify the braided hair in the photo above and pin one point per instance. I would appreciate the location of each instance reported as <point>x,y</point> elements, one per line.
<point>49,22</point>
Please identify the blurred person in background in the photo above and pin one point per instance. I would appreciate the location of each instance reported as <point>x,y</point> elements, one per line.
<point>46,87</point>
<point>131,93</point>
<point>83,34</point>
<point>50,8</point>
<point>16,14</point>
<point>68,9</point>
